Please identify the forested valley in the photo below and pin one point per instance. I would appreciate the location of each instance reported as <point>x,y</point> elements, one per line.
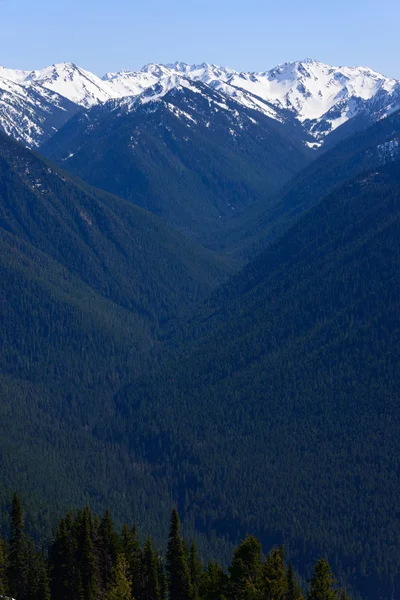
<point>243,367</point>
<point>88,559</point>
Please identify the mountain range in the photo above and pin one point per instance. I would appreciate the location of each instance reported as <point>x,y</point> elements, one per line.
<point>324,99</point>
<point>200,305</point>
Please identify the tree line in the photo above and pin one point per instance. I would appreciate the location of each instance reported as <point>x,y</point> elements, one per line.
<point>88,559</point>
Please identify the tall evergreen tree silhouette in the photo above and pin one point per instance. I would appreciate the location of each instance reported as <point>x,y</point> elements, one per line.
<point>133,554</point>
<point>17,559</point>
<point>151,586</point>
<point>195,569</point>
<point>322,582</point>
<point>108,549</point>
<point>177,566</point>
<point>246,570</point>
<point>121,589</point>
<point>274,575</point>
<point>88,568</point>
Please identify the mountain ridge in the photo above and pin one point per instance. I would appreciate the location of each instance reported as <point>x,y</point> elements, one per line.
<point>321,97</point>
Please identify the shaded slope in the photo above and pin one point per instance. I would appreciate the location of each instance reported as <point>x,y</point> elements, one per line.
<point>287,404</point>
<point>87,280</point>
<point>264,223</point>
<point>189,154</point>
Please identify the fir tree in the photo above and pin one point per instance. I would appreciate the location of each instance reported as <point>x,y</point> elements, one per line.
<point>177,567</point>
<point>38,576</point>
<point>162,579</point>
<point>88,568</point>
<point>133,554</point>
<point>151,586</point>
<point>195,569</point>
<point>322,582</point>
<point>214,582</point>
<point>274,575</point>
<point>64,580</point>
<point>108,549</point>
<point>245,570</point>
<point>122,587</point>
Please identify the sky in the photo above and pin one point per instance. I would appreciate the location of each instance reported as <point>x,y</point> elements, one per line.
<point>248,35</point>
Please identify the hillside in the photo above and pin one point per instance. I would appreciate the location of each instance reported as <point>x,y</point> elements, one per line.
<point>264,222</point>
<point>287,403</point>
<point>87,281</point>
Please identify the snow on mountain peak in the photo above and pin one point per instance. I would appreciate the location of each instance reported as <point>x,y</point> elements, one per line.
<point>320,96</point>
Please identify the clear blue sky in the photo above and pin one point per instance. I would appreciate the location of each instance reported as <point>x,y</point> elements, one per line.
<point>105,35</point>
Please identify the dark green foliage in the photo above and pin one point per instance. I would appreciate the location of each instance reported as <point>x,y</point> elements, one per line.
<point>108,543</point>
<point>38,584</point>
<point>282,418</point>
<point>162,579</point>
<point>322,583</point>
<point>121,588</point>
<point>214,584</point>
<point>18,565</point>
<point>195,570</point>
<point>88,564</point>
<point>176,563</point>
<point>133,554</point>
<point>64,576</point>
<point>274,575</point>
<point>75,562</point>
<point>150,569</point>
<point>245,572</point>
<point>294,591</point>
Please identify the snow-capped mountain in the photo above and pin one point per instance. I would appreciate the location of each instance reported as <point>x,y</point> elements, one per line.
<point>324,99</point>
<point>32,114</point>
<point>76,84</point>
<point>183,150</point>
<point>320,96</point>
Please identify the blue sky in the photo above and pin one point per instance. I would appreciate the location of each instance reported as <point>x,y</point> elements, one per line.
<point>105,35</point>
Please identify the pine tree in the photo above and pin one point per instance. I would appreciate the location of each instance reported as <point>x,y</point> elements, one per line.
<point>322,582</point>
<point>177,567</point>
<point>274,575</point>
<point>293,588</point>
<point>122,587</point>
<point>245,570</point>
<point>151,586</point>
<point>195,569</point>
<point>17,558</point>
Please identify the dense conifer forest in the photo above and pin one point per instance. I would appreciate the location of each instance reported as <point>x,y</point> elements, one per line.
<point>89,559</point>
<point>140,370</point>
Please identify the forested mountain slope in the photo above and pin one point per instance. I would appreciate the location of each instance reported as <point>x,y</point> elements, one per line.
<point>267,220</point>
<point>87,279</point>
<point>287,403</point>
<point>187,153</point>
